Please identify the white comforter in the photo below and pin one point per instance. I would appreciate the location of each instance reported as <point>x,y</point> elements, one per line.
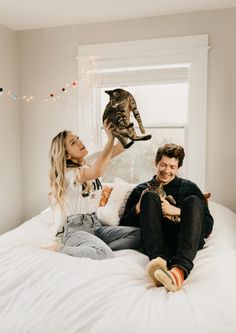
<point>47,292</point>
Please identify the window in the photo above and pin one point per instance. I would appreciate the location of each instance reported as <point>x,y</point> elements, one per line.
<point>168,81</point>
<point>163,109</point>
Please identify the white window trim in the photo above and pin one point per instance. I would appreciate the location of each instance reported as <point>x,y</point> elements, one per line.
<point>192,50</point>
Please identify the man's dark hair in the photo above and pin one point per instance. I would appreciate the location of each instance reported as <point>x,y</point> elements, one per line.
<point>171,150</point>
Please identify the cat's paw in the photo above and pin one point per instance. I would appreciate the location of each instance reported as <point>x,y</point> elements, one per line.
<point>130,125</point>
<point>128,144</point>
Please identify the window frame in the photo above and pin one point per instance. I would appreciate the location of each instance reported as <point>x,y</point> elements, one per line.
<point>192,50</point>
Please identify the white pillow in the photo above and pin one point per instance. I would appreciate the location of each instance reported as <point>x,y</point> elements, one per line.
<point>110,214</point>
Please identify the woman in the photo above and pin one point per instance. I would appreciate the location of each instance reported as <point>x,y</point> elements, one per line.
<point>75,195</point>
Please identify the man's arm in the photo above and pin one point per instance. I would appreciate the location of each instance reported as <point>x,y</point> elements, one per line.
<point>130,216</point>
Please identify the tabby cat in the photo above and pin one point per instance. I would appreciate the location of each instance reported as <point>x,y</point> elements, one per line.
<point>117,112</point>
<point>162,194</point>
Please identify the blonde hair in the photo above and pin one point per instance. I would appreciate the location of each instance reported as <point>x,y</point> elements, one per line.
<point>58,160</point>
<point>57,172</point>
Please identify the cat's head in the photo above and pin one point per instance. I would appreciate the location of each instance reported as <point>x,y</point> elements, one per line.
<point>117,96</point>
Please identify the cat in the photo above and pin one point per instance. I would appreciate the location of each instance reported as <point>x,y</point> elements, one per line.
<point>117,112</point>
<point>162,194</point>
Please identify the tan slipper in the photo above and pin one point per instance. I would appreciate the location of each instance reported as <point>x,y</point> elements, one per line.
<point>165,278</point>
<point>154,265</point>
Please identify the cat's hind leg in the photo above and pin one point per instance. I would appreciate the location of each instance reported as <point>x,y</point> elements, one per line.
<point>123,125</point>
<point>142,137</point>
<point>123,139</point>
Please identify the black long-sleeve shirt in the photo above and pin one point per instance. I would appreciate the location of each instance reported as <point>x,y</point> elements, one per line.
<point>179,188</point>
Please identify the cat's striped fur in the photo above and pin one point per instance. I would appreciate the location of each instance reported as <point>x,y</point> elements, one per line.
<point>118,111</point>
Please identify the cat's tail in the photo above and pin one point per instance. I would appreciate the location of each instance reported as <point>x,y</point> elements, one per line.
<point>142,137</point>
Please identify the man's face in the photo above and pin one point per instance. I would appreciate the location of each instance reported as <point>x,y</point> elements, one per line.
<point>166,169</point>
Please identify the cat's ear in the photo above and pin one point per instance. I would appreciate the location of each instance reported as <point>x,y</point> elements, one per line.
<point>116,94</point>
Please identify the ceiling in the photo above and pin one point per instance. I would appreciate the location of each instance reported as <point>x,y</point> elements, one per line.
<point>36,14</point>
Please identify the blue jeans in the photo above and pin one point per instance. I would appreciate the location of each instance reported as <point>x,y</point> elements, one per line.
<point>85,237</point>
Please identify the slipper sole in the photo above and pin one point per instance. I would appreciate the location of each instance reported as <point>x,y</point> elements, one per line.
<point>152,266</point>
<point>165,279</point>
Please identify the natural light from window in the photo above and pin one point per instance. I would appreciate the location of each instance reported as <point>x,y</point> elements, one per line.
<point>168,78</point>
<point>163,109</point>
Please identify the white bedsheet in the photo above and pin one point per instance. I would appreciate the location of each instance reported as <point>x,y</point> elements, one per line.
<point>47,292</point>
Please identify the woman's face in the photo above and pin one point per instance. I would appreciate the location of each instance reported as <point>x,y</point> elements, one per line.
<point>76,150</point>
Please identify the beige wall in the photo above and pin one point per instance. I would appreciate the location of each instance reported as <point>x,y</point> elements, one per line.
<point>47,61</point>
<point>10,177</point>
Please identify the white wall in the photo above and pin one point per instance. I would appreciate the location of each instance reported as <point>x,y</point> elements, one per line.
<point>47,61</point>
<point>10,177</point>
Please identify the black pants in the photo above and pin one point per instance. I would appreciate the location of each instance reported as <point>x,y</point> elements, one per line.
<point>177,243</point>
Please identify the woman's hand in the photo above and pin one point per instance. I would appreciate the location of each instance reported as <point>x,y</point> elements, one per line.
<point>117,148</point>
<point>108,129</point>
<point>97,169</point>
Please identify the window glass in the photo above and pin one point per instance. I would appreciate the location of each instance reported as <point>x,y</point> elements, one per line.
<point>157,103</point>
<point>163,109</point>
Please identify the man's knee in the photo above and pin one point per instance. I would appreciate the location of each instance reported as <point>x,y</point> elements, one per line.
<point>150,209</point>
<point>193,201</point>
<point>150,197</point>
<point>193,207</point>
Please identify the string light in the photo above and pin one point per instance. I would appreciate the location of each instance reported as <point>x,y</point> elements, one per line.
<point>51,95</point>
<point>13,96</point>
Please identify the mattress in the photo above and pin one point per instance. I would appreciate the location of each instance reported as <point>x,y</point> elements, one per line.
<point>49,292</point>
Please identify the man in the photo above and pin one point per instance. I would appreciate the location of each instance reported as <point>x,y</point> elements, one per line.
<point>172,233</point>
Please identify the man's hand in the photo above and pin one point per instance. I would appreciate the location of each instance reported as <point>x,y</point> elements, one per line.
<point>168,209</point>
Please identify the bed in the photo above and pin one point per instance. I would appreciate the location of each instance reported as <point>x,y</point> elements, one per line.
<point>49,292</point>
